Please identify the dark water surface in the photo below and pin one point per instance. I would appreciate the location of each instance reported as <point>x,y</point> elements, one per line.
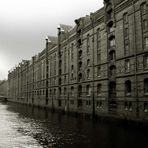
<point>28,127</point>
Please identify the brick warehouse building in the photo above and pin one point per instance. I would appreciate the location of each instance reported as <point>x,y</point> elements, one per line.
<point>98,67</point>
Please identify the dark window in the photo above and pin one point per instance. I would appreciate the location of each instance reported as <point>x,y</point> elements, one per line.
<point>112,55</point>
<point>88,44</point>
<point>65,91</point>
<point>88,90</point>
<point>72,91</point>
<point>80,54</point>
<point>99,104</point>
<point>79,43</point>
<point>145,107</point>
<point>130,106</point>
<point>112,41</point>
<point>72,77</point>
<point>80,77</point>
<point>88,62</point>
<point>80,91</point>
<point>112,70</point>
<point>59,103</point>
<point>110,26</point>
<point>126,105</point>
<point>79,103</point>
<point>145,61</point>
<point>80,65</point>
<point>128,88</point>
<point>60,81</point>
<point>109,11</point>
<point>88,73</point>
<point>60,91</point>
<point>99,87</point>
<point>65,79</point>
<point>72,67</point>
<point>146,86</point>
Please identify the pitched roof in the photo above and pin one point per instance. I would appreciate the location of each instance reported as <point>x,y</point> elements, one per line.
<point>66,28</point>
<point>53,39</point>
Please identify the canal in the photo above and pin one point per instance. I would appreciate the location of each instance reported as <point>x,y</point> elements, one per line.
<point>28,127</point>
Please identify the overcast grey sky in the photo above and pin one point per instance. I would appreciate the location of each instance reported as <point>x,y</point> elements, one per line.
<point>24,24</point>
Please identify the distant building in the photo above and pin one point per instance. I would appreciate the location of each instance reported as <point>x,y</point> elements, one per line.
<point>3,88</point>
<point>99,66</point>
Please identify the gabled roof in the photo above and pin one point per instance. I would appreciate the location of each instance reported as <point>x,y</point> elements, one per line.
<point>66,28</point>
<point>52,39</point>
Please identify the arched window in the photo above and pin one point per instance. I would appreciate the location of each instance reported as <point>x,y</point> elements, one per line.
<point>79,43</point>
<point>80,65</point>
<point>112,41</point>
<point>112,55</point>
<point>88,73</point>
<point>99,87</point>
<point>80,54</point>
<point>125,18</point>
<point>109,10</point>
<point>112,70</point>
<point>110,26</point>
<point>88,62</point>
<point>146,86</point>
<point>80,77</point>
<point>128,88</point>
<point>72,67</point>
<point>88,90</point>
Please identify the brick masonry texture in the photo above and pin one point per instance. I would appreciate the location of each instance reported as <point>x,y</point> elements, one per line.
<point>98,67</point>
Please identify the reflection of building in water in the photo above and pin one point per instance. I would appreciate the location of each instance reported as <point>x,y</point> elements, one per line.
<point>99,66</point>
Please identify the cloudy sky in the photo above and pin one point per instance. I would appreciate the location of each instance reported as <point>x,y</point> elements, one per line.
<point>24,25</point>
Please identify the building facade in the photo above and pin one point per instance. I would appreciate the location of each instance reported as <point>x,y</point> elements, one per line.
<point>98,67</point>
<point>3,89</point>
